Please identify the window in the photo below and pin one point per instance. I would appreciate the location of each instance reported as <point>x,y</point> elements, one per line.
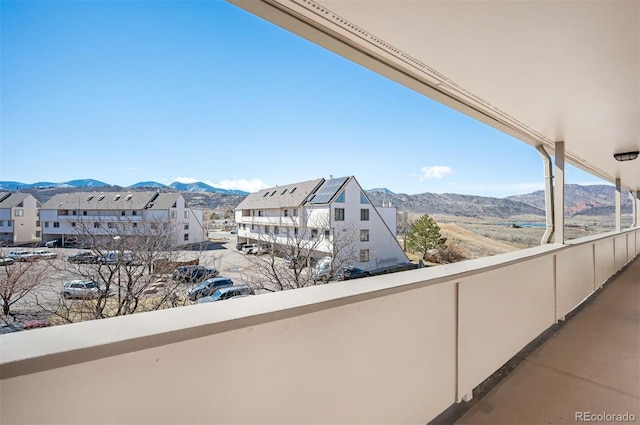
<point>110,225</point>
<point>340,197</point>
<point>314,233</point>
<point>276,230</point>
<point>74,212</point>
<point>364,255</point>
<point>73,224</point>
<point>135,224</point>
<point>244,226</point>
<point>1,223</point>
<point>339,214</point>
<point>174,214</point>
<point>56,224</point>
<point>186,226</point>
<point>327,233</point>
<point>363,198</point>
<point>186,236</point>
<point>90,198</point>
<point>38,233</point>
<point>295,211</point>
<point>84,213</point>
<point>266,230</point>
<point>295,231</point>
<point>123,213</point>
<point>364,235</point>
<point>18,213</point>
<point>286,213</point>
<point>37,223</point>
<point>253,227</point>
<point>186,214</point>
<point>9,223</point>
<point>134,212</point>
<point>364,214</point>
<point>96,225</point>
<point>260,213</point>
<point>46,224</point>
<point>20,205</point>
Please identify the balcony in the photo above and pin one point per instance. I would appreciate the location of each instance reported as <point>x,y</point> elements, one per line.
<point>397,348</point>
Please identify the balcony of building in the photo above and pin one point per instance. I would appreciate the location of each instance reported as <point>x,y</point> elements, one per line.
<point>397,348</point>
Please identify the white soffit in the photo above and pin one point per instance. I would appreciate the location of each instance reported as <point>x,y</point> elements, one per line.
<point>542,71</point>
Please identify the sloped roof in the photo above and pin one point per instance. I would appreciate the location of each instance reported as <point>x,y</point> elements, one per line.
<point>291,195</point>
<point>10,200</point>
<point>99,201</point>
<point>327,191</point>
<point>164,201</point>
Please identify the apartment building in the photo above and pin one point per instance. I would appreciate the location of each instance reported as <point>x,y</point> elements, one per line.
<point>331,217</point>
<point>19,218</point>
<point>103,216</point>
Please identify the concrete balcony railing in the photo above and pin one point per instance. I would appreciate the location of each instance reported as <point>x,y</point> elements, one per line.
<point>397,348</point>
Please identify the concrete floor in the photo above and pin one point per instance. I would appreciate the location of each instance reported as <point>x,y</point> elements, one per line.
<point>589,366</point>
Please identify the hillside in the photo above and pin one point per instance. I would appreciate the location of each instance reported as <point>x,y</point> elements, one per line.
<point>454,204</point>
<point>585,200</point>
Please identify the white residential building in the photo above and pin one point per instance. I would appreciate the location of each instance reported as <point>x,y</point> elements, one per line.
<point>325,217</point>
<point>106,215</point>
<point>19,218</point>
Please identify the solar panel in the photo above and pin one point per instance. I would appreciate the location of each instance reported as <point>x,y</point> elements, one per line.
<point>328,190</point>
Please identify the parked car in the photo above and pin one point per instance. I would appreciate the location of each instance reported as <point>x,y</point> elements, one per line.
<point>22,255</point>
<point>298,262</point>
<point>322,270</point>
<point>239,245</point>
<point>6,261</point>
<point>349,273</point>
<point>208,287</point>
<point>11,328</point>
<point>226,293</point>
<point>44,254</point>
<point>56,243</point>
<point>83,258</point>
<point>248,248</point>
<point>117,257</point>
<point>81,289</point>
<point>194,274</point>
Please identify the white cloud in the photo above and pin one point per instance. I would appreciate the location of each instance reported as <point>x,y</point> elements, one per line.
<point>186,180</point>
<point>252,185</point>
<point>435,172</point>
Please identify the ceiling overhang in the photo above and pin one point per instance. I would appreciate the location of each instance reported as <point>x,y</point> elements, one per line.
<point>539,71</point>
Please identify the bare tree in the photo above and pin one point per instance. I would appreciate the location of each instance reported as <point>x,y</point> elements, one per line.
<point>303,246</point>
<point>131,266</point>
<point>19,280</point>
<point>403,225</point>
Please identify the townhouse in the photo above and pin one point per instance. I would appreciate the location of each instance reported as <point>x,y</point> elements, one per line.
<point>19,218</point>
<point>331,217</point>
<point>106,216</point>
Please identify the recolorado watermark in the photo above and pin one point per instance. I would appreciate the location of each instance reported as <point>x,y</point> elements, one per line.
<point>605,417</point>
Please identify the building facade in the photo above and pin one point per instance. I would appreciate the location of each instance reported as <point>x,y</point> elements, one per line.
<point>332,218</point>
<point>19,218</point>
<point>102,217</point>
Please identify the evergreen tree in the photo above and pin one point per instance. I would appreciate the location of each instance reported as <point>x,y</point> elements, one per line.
<point>424,235</point>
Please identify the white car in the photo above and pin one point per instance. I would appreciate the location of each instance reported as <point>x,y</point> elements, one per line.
<point>22,255</point>
<point>81,289</point>
<point>44,254</point>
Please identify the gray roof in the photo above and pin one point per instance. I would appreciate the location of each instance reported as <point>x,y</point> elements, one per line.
<point>328,190</point>
<point>106,201</point>
<point>164,201</point>
<point>10,200</point>
<point>290,195</point>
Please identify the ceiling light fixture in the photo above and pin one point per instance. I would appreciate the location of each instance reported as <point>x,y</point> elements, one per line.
<point>626,156</point>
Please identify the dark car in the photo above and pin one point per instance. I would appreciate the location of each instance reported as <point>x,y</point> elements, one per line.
<point>194,274</point>
<point>349,273</point>
<point>83,258</point>
<point>208,287</point>
<point>228,293</point>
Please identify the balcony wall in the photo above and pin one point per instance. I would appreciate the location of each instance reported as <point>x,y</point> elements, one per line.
<point>397,348</point>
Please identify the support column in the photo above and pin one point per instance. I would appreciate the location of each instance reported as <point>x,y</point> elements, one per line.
<point>636,209</point>
<point>618,206</point>
<point>558,198</point>
<point>548,194</point>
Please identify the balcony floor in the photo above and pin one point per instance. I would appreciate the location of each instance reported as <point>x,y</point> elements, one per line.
<point>589,363</point>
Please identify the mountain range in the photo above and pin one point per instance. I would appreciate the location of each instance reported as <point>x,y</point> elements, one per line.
<point>90,183</point>
<point>579,200</point>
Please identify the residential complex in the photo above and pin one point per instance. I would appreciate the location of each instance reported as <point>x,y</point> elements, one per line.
<point>19,218</point>
<point>103,216</point>
<point>322,217</point>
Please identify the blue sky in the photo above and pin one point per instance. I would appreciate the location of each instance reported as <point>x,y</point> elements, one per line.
<point>131,91</point>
